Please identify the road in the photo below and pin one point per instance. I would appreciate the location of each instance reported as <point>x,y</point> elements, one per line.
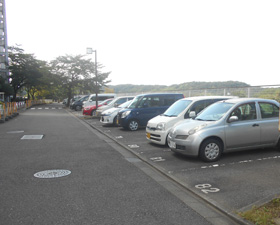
<point>57,169</point>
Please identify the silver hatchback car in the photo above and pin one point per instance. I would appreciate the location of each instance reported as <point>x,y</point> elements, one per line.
<point>229,125</point>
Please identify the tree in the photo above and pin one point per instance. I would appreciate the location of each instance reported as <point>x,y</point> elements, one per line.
<point>25,69</point>
<point>5,87</point>
<point>72,69</point>
<point>97,81</point>
<point>78,72</point>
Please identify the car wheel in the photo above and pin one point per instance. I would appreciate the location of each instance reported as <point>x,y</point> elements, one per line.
<point>78,108</point>
<point>133,125</point>
<point>210,150</point>
<point>166,140</point>
<point>278,145</point>
<point>115,121</point>
<point>93,113</point>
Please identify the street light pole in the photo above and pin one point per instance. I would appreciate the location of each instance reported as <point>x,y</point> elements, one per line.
<point>90,51</point>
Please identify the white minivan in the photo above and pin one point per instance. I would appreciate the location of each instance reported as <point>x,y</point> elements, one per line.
<point>101,97</point>
<point>158,127</point>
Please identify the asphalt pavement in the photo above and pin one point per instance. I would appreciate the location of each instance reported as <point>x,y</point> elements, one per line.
<point>57,169</point>
<point>237,182</point>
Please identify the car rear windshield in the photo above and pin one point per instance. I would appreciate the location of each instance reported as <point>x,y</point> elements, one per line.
<point>177,107</point>
<point>214,112</point>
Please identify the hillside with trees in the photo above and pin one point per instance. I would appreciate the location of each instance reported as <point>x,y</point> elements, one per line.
<point>130,88</point>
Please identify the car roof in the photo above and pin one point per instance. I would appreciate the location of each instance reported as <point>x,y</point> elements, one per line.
<point>125,97</point>
<point>197,98</point>
<point>244,100</point>
<point>152,94</point>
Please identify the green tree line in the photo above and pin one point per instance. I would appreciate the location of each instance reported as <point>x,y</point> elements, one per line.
<point>60,78</point>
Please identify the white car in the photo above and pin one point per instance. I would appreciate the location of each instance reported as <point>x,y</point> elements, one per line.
<point>158,127</point>
<point>116,102</point>
<point>91,100</point>
<point>109,116</point>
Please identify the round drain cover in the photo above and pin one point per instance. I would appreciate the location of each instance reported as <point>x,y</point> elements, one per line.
<point>52,173</point>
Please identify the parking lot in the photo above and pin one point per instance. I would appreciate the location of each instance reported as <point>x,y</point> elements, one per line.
<point>235,183</point>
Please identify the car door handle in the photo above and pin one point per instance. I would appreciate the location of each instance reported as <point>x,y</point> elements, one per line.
<point>255,125</point>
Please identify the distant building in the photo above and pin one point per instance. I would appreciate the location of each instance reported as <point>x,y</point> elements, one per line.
<point>3,42</point>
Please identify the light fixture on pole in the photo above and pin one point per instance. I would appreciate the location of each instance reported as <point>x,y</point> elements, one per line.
<point>90,51</point>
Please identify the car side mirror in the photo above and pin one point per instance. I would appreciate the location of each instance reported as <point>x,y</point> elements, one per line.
<point>192,114</point>
<point>233,119</point>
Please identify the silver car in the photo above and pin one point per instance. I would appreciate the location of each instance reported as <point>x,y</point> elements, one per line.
<point>229,125</point>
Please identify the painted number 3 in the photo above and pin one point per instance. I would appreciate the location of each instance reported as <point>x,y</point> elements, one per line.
<point>206,188</point>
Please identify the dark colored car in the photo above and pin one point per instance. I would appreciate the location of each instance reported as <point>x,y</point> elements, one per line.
<point>78,105</point>
<point>143,108</point>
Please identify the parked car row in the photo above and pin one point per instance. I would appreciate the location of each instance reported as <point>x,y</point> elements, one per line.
<point>89,100</point>
<point>91,110</point>
<point>230,125</point>
<point>204,126</point>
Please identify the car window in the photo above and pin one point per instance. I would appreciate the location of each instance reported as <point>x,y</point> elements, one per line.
<point>214,112</point>
<point>154,102</point>
<point>198,106</point>
<point>168,100</point>
<point>268,110</point>
<point>149,101</point>
<point>120,101</point>
<point>178,107</point>
<point>245,112</point>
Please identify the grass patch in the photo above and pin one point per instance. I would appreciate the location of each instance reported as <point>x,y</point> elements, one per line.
<point>264,215</point>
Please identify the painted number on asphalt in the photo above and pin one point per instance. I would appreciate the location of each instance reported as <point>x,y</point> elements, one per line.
<point>206,188</point>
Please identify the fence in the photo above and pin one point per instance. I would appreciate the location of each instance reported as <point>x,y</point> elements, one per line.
<point>265,91</point>
<point>8,110</point>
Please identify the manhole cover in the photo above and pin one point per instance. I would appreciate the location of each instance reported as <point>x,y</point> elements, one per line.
<point>32,137</point>
<point>52,173</point>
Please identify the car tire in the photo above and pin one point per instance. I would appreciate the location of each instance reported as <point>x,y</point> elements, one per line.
<point>78,108</point>
<point>166,140</point>
<point>211,150</point>
<point>278,145</point>
<point>115,121</point>
<point>133,125</point>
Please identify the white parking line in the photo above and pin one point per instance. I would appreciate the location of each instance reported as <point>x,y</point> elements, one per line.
<point>133,146</point>
<point>229,164</point>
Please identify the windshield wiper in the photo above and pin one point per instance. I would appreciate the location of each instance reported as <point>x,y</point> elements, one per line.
<point>199,119</point>
<point>170,115</point>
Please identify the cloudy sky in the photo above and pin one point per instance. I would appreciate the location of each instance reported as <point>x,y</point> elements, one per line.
<point>156,41</point>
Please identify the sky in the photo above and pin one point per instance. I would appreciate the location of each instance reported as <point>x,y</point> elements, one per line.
<point>156,42</point>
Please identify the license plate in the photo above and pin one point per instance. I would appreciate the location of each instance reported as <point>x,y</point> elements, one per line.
<point>149,135</point>
<point>172,144</point>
